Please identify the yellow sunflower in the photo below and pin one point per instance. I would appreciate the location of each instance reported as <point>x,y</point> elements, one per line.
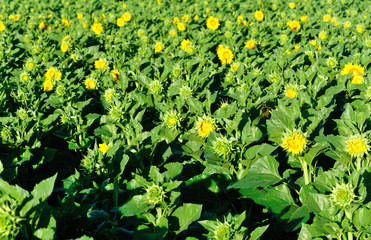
<point>294,142</point>
<point>212,23</point>
<point>205,125</point>
<point>357,145</point>
<point>225,55</point>
<point>355,69</point>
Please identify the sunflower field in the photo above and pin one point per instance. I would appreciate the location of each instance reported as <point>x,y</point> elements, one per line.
<point>185,119</point>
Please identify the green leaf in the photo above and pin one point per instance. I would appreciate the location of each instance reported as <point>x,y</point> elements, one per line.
<point>1,167</point>
<point>43,189</point>
<point>173,169</point>
<point>263,173</point>
<point>362,219</point>
<point>44,233</point>
<point>135,206</point>
<point>259,151</point>
<point>309,232</point>
<point>187,214</point>
<point>314,151</point>
<point>280,202</point>
<point>258,232</point>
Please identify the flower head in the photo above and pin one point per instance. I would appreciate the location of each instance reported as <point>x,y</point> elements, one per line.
<point>155,194</point>
<point>2,27</point>
<point>9,221</point>
<point>357,79</point>
<point>24,77</point>
<point>294,142</point>
<point>185,45</point>
<point>64,47</point>
<point>343,194</point>
<point>294,25</point>
<point>181,26</point>
<point>291,5</point>
<point>126,17</point>
<point>97,28</point>
<point>100,64</point>
<point>259,15</point>
<point>103,147</point>
<point>48,85</point>
<point>120,22</point>
<point>223,231</point>
<point>172,119</point>
<point>90,83</point>
<point>222,146</point>
<point>53,73</point>
<point>322,35</point>
<point>155,87</point>
<point>326,18</point>
<point>212,23</point>
<point>205,125</point>
<point>355,69</point>
<point>251,44</point>
<point>115,74</point>
<point>225,55</point>
<point>158,47</point>
<point>357,145</point>
<point>304,18</point>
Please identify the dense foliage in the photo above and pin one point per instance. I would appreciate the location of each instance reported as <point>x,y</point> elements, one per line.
<point>185,119</point>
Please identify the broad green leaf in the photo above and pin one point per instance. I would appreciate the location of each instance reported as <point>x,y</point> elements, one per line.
<point>43,189</point>
<point>280,202</point>
<point>362,219</point>
<point>173,169</point>
<point>258,232</point>
<point>187,214</point>
<point>313,152</point>
<point>263,173</point>
<point>44,233</point>
<point>135,206</point>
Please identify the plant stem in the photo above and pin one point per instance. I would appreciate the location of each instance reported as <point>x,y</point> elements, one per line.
<point>350,236</point>
<point>358,163</point>
<point>306,173</point>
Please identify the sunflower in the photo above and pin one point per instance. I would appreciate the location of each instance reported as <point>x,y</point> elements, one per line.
<point>115,74</point>
<point>103,147</point>
<point>294,142</point>
<point>53,73</point>
<point>294,25</point>
<point>64,47</point>
<point>126,17</point>
<point>90,84</point>
<point>212,23</point>
<point>185,44</point>
<point>205,125</point>
<point>259,15</point>
<point>357,145</point>
<point>120,22</point>
<point>225,55</point>
<point>251,44</point>
<point>100,64</point>
<point>355,69</point>
<point>158,47</point>
<point>97,28</point>
<point>48,85</point>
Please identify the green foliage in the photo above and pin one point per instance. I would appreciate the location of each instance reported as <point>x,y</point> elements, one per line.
<point>161,125</point>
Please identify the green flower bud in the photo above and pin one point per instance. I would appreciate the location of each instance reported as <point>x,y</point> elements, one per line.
<point>343,194</point>
<point>155,194</point>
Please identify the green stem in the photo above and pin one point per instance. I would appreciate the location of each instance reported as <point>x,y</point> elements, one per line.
<point>306,173</point>
<point>358,163</point>
<point>350,236</point>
